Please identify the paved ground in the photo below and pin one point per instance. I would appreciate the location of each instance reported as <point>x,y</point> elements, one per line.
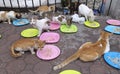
<point>68,44</point>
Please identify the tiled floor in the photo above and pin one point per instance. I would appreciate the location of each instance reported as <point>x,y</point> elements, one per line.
<point>68,44</point>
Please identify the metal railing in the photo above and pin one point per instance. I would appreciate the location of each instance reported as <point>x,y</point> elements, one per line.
<point>5,7</point>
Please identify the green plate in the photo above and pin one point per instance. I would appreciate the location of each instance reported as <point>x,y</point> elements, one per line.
<point>72,29</point>
<point>31,32</point>
<point>69,72</point>
<point>92,25</point>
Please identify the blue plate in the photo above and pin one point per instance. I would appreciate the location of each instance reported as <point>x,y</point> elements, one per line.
<point>20,22</point>
<point>113,29</point>
<point>113,59</point>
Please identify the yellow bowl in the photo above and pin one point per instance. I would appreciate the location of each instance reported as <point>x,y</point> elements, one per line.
<point>69,72</point>
<point>92,24</point>
<point>31,32</point>
<point>72,29</point>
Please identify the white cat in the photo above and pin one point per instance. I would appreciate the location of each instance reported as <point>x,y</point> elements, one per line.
<point>9,15</point>
<point>87,12</point>
<point>42,24</point>
<point>76,18</point>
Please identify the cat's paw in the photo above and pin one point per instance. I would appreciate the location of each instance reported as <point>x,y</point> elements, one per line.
<point>9,22</point>
<point>55,68</point>
<point>33,52</point>
<point>38,35</point>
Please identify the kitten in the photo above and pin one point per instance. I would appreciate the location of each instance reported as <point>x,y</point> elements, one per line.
<point>9,15</point>
<point>60,19</point>
<point>44,8</point>
<point>87,12</point>
<point>42,24</point>
<point>69,22</point>
<point>76,18</point>
<point>89,51</point>
<point>26,44</point>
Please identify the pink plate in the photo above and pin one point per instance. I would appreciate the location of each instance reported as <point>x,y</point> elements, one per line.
<point>54,25</point>
<point>113,22</point>
<point>48,52</point>
<point>50,37</point>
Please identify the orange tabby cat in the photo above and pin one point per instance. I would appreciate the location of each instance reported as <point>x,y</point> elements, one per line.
<point>44,8</point>
<point>89,51</point>
<point>26,44</point>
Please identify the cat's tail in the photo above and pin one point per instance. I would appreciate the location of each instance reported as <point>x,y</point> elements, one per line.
<point>67,61</point>
<point>13,52</point>
<point>33,11</point>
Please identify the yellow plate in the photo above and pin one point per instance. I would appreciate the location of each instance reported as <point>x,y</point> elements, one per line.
<point>69,72</point>
<point>72,29</point>
<point>0,36</point>
<point>92,25</point>
<point>31,32</point>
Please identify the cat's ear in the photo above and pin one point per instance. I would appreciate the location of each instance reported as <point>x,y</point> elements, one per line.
<point>44,41</point>
<point>47,22</point>
<point>60,18</point>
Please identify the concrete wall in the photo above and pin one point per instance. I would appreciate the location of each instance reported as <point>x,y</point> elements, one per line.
<point>114,9</point>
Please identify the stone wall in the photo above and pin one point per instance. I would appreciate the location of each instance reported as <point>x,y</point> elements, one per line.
<point>114,9</point>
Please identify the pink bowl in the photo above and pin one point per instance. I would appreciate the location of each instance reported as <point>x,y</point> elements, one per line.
<point>50,37</point>
<point>54,26</point>
<point>113,22</point>
<point>49,52</point>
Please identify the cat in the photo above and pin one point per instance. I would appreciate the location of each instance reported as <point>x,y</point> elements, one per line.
<point>76,18</point>
<point>63,20</point>
<point>87,12</point>
<point>26,44</point>
<point>9,16</point>
<point>42,24</point>
<point>69,21</point>
<point>44,8</point>
<point>89,51</point>
<point>60,19</point>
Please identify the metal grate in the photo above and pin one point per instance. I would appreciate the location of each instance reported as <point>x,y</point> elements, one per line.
<point>5,7</point>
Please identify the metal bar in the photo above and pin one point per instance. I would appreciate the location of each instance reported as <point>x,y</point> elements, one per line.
<point>78,1</point>
<point>11,4</point>
<point>18,3</point>
<point>94,4</point>
<point>55,2</point>
<point>70,6</point>
<point>40,2</point>
<point>109,7</point>
<point>32,3</point>
<point>25,4</point>
<point>55,5</point>
<point>47,2</point>
<point>4,3</point>
<point>101,8</point>
<point>86,2</point>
